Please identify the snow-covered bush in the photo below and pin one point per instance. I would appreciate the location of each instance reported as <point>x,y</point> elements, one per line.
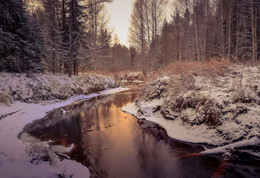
<point>208,112</point>
<point>155,90</point>
<point>39,152</point>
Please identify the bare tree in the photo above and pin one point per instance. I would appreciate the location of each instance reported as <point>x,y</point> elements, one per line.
<point>146,24</point>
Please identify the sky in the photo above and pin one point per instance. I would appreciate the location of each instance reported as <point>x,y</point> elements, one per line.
<point>120,12</point>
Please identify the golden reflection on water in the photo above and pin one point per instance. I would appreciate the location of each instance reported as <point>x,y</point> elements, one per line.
<point>110,132</point>
<point>116,145</point>
<point>82,115</point>
<point>112,144</point>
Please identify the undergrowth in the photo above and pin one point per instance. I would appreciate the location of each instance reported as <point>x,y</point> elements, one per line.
<point>206,68</point>
<point>118,75</point>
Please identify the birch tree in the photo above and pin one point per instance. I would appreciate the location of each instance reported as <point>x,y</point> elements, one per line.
<point>146,24</point>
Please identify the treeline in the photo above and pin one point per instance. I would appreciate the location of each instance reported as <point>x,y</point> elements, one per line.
<point>72,36</point>
<point>58,36</point>
<point>198,30</point>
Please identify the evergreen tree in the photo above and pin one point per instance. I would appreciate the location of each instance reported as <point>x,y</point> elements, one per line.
<point>34,47</point>
<point>17,36</point>
<point>53,38</point>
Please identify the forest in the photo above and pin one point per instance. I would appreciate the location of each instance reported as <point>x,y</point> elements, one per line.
<point>176,93</point>
<point>72,36</point>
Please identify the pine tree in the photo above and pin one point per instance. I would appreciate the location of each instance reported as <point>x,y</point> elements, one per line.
<point>75,24</point>
<point>34,47</point>
<point>16,35</point>
<point>53,38</point>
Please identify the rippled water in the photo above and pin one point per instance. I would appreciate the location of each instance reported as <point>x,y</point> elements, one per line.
<point>112,143</point>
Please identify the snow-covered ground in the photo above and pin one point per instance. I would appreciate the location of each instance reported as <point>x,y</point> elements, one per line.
<point>33,88</point>
<point>218,109</point>
<point>131,76</point>
<point>27,157</point>
<point>28,97</point>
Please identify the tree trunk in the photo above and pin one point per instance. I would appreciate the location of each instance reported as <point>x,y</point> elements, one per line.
<point>196,28</point>
<point>229,28</point>
<point>237,29</point>
<point>178,41</point>
<point>223,29</point>
<point>254,25</point>
<point>206,30</point>
<point>70,54</point>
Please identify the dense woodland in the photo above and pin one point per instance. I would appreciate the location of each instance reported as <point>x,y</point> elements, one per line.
<point>72,36</point>
<point>198,30</point>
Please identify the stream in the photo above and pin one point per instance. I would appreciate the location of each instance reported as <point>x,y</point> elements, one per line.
<point>112,144</point>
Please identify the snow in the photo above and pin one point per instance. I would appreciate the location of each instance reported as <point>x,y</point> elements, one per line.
<point>61,148</point>
<point>217,111</point>
<point>174,129</point>
<point>131,76</point>
<point>33,88</point>
<point>227,148</point>
<point>20,157</point>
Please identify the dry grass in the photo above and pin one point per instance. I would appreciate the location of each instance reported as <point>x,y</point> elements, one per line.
<point>100,72</point>
<point>6,99</point>
<point>182,74</point>
<point>111,72</point>
<point>117,74</point>
<point>209,67</point>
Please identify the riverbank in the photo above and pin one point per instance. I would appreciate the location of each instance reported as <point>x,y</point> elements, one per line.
<point>35,159</point>
<point>216,108</point>
<point>25,98</point>
<point>34,88</point>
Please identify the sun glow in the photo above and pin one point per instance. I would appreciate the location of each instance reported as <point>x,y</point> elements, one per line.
<point>120,12</point>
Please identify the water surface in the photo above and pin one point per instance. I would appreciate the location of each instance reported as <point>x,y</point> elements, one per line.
<point>112,143</point>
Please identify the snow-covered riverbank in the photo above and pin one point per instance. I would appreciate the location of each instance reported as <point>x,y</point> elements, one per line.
<point>215,108</point>
<point>33,88</point>
<point>22,100</point>
<point>21,158</point>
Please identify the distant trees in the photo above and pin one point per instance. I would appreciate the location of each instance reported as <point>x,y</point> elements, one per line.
<point>99,34</point>
<point>58,36</point>
<point>116,39</point>
<point>146,23</point>
<point>68,36</point>
<point>120,56</point>
<point>198,30</point>
<point>226,28</point>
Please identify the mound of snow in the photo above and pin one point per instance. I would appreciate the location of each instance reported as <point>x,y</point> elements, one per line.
<point>227,148</point>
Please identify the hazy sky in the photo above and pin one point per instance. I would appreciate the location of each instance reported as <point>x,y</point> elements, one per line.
<point>120,12</point>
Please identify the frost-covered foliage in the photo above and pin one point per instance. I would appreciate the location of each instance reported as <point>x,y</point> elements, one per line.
<point>21,40</point>
<point>130,76</point>
<point>40,152</point>
<point>200,108</point>
<point>36,87</point>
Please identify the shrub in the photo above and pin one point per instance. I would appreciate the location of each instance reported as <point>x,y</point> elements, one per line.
<point>6,99</point>
<point>209,112</point>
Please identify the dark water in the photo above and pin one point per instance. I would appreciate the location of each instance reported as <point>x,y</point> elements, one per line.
<point>112,143</point>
